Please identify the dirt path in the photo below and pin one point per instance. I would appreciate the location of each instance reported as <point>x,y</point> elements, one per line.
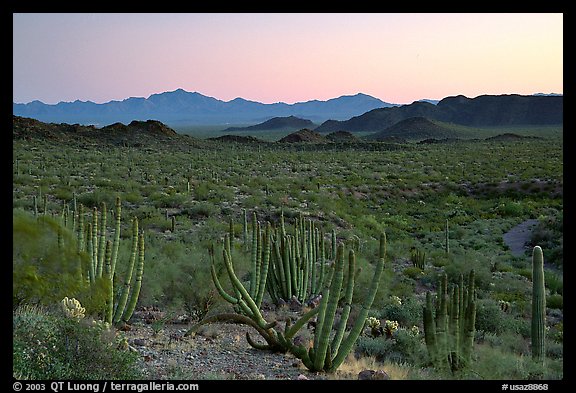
<point>517,237</point>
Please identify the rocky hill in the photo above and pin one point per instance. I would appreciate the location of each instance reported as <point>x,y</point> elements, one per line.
<point>137,133</point>
<point>341,136</point>
<point>304,135</point>
<point>414,128</point>
<point>288,123</point>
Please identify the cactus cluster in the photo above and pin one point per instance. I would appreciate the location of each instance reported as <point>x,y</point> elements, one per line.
<point>418,258</point>
<point>103,256</point>
<point>286,264</point>
<point>449,327</point>
<point>329,348</point>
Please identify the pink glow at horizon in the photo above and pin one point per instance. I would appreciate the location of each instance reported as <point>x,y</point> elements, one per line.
<point>398,58</point>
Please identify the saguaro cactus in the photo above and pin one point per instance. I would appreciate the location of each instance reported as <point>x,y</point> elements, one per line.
<point>538,305</point>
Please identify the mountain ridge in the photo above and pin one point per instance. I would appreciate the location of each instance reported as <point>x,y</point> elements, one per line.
<point>485,110</point>
<point>180,106</point>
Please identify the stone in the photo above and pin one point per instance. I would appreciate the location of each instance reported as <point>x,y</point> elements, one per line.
<point>373,375</point>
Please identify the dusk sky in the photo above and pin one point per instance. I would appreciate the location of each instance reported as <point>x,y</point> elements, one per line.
<point>398,58</point>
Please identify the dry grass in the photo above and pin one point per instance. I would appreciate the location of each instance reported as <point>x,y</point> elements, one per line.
<point>352,366</point>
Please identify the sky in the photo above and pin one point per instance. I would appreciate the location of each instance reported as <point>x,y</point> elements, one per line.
<point>285,57</point>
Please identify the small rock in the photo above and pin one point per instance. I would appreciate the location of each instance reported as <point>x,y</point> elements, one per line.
<point>302,377</point>
<point>373,375</point>
<point>139,341</point>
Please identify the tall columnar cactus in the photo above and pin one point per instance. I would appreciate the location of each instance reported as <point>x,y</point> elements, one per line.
<point>103,255</point>
<point>329,350</point>
<point>418,258</point>
<point>293,262</point>
<point>449,331</point>
<point>127,286</point>
<point>538,305</point>
<point>447,239</point>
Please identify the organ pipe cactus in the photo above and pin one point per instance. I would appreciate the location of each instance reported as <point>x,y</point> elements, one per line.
<point>127,286</point>
<point>328,350</point>
<point>418,258</point>
<point>103,256</point>
<point>538,305</point>
<point>449,327</point>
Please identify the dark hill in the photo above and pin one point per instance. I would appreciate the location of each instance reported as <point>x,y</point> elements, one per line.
<point>237,139</point>
<point>414,128</point>
<point>341,136</point>
<point>304,135</point>
<point>137,133</point>
<point>482,111</point>
<point>506,137</point>
<point>289,123</point>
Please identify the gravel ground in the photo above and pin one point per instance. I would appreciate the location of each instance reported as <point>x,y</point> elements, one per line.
<point>218,351</point>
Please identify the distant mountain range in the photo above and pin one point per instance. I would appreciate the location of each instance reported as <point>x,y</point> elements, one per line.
<point>482,111</point>
<point>179,108</point>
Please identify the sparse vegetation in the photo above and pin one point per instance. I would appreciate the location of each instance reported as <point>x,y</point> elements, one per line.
<point>410,191</point>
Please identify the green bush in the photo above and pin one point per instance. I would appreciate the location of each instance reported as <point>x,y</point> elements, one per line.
<point>52,346</point>
<point>404,347</point>
<point>408,313</point>
<point>42,271</point>
<point>555,301</point>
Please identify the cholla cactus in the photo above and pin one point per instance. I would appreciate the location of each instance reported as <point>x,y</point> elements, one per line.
<point>72,308</point>
<point>414,331</point>
<point>390,327</point>
<point>373,323</point>
<point>396,300</point>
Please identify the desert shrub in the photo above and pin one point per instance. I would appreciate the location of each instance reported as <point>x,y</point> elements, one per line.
<point>52,346</point>
<point>201,210</point>
<point>494,363</point>
<point>407,313</point>
<point>403,347</point>
<point>178,276</point>
<point>555,302</point>
<point>491,319</point>
<point>554,282</point>
<point>42,271</point>
<point>95,198</point>
<point>413,272</point>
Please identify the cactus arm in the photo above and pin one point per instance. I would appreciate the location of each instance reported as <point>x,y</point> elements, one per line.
<point>332,304</point>
<point>137,284</point>
<point>470,328</point>
<point>128,279</point>
<point>254,280</point>
<point>265,265</point>
<point>347,304</point>
<point>292,330</point>
<point>242,290</point>
<point>110,304</point>
<point>349,341</point>
<point>116,244</point>
<point>89,243</point>
<point>102,245</point>
<point>430,330</point>
<point>538,305</point>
